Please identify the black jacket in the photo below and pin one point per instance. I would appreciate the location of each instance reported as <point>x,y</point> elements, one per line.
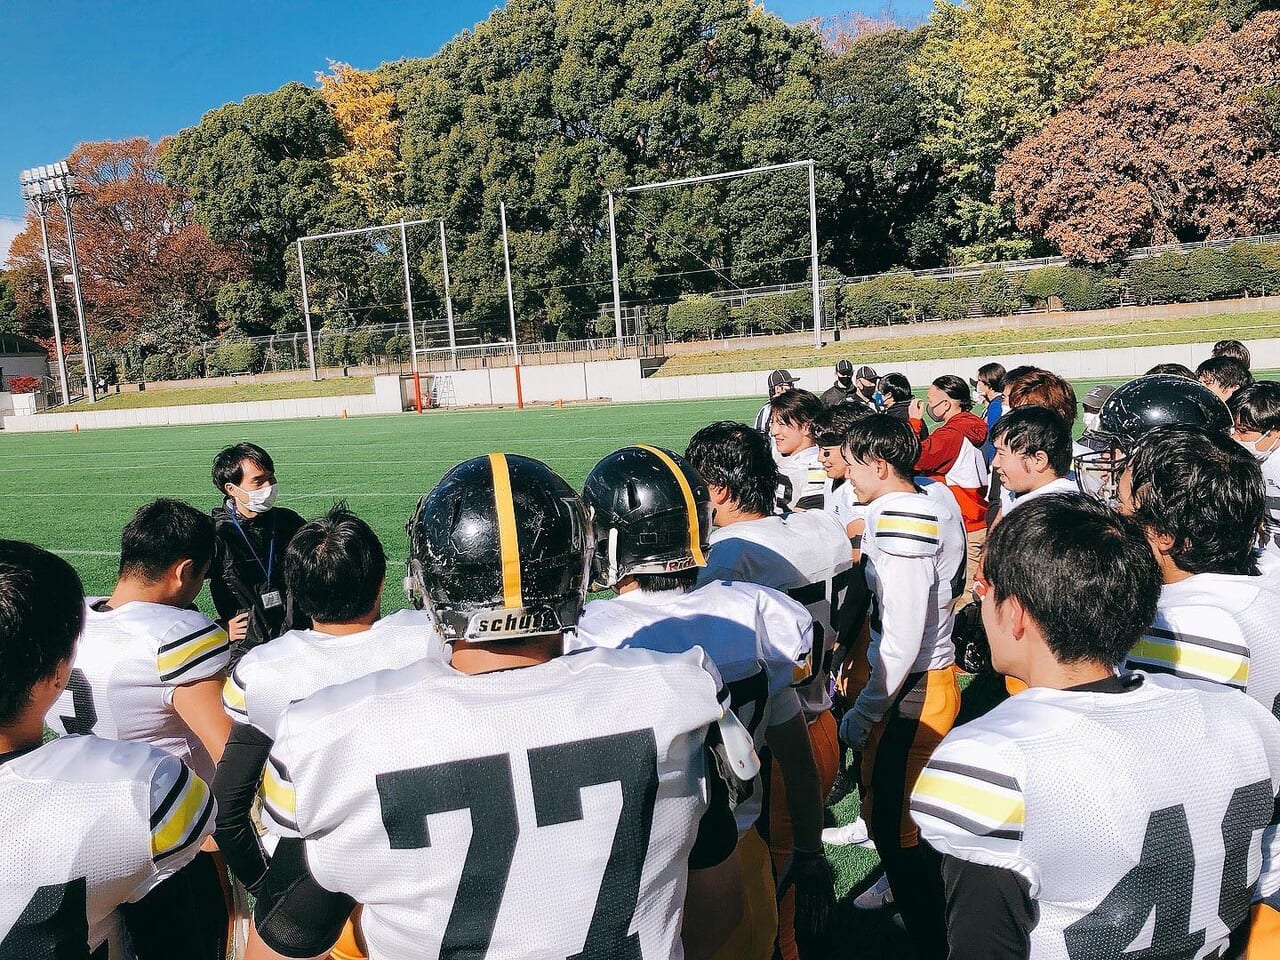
<point>835,395</point>
<point>237,579</point>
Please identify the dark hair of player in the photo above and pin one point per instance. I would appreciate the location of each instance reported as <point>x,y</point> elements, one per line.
<point>1227,372</point>
<point>897,386</point>
<point>833,423</point>
<point>334,567</point>
<point>992,374</point>
<point>883,437</point>
<point>41,615</point>
<point>1027,431</point>
<point>1257,406</point>
<point>658,582</point>
<point>796,407</point>
<point>955,388</point>
<point>733,456</point>
<point>1083,572</point>
<point>1203,490</point>
<point>1235,350</point>
<point>1041,388</point>
<point>228,464</point>
<point>162,533</point>
<point>1173,370</point>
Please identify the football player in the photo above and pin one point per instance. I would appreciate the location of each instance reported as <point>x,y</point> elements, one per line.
<point>1099,814</point>
<point>796,451</point>
<point>1255,411</point>
<point>99,835</point>
<point>905,701</point>
<point>652,516</point>
<point>334,569</point>
<point>453,800</point>
<point>802,554</point>
<point>829,430</point>
<point>1032,456</point>
<point>1200,499</point>
<point>1224,376</point>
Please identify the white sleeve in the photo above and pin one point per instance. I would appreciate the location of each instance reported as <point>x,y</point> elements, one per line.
<point>903,608</point>
<point>182,813</point>
<point>784,635</point>
<point>193,649</point>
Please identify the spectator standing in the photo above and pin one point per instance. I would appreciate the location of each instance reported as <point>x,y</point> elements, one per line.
<point>842,391</point>
<point>246,580</point>
<point>865,381</point>
<point>780,381</point>
<point>990,387</point>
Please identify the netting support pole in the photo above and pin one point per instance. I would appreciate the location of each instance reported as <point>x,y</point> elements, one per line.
<point>417,391</point>
<point>511,305</point>
<point>408,304</point>
<point>813,259</point>
<point>617,288</point>
<point>448,298</point>
<point>306,314</point>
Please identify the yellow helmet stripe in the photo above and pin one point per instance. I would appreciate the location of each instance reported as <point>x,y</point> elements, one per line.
<point>508,541</point>
<point>691,507</point>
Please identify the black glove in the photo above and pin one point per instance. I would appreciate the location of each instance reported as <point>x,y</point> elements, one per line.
<point>814,879</point>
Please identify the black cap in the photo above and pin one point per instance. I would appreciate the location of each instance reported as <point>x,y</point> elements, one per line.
<point>779,377</point>
<point>868,373</point>
<point>1095,398</point>
<point>844,369</point>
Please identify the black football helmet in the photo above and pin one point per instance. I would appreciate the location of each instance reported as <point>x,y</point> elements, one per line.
<point>500,550</point>
<point>1130,413</point>
<point>651,513</point>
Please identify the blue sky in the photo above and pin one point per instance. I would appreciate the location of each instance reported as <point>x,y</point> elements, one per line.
<point>107,69</point>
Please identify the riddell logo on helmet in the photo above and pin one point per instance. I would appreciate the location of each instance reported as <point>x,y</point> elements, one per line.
<point>505,624</point>
<point>684,563</point>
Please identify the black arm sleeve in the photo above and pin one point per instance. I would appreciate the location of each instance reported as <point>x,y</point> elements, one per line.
<point>295,916</point>
<point>717,831</point>
<point>184,916</point>
<point>990,913</point>
<point>234,787</point>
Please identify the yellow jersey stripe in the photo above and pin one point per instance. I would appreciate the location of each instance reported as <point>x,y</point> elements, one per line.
<point>926,528</point>
<point>972,798</point>
<point>185,815</point>
<point>1213,665</point>
<point>233,696</point>
<point>278,793</point>
<point>167,662</point>
<point>508,540</point>
<point>691,507</point>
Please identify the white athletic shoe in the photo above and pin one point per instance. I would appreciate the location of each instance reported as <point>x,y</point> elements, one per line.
<point>876,897</point>
<point>852,834</point>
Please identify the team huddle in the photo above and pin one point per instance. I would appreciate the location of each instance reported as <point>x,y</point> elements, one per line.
<point>507,770</point>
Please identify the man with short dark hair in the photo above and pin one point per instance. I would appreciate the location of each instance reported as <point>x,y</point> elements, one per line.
<point>843,390</point>
<point>1098,813</point>
<point>1255,412</point>
<point>791,427</point>
<point>989,384</point>
<point>1235,350</point>
<point>1200,500</point>
<point>1224,376</point>
<point>335,569</point>
<point>99,835</point>
<point>865,380</point>
<point>1033,457</point>
<point>246,582</point>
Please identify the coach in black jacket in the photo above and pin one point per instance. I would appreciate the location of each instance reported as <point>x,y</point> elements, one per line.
<point>246,579</point>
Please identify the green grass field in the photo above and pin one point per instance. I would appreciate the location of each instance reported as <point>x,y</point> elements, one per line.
<point>73,492</point>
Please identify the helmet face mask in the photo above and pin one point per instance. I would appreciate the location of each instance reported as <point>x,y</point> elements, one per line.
<point>500,550</point>
<point>1098,473</point>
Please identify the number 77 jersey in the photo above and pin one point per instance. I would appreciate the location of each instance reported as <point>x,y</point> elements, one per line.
<point>547,811</point>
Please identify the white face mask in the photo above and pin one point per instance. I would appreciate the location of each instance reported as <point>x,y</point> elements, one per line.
<point>1090,420</point>
<point>262,499</point>
<point>1252,446</point>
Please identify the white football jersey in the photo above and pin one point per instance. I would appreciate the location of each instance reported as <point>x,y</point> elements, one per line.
<point>1009,499</point>
<point>803,554</point>
<point>1220,628</point>
<point>296,664</point>
<point>914,556</point>
<point>128,662</point>
<point>1141,820</point>
<point>1271,479</point>
<point>758,638</point>
<point>452,807</point>
<point>842,503</point>
<point>89,824</point>
<point>804,480</point>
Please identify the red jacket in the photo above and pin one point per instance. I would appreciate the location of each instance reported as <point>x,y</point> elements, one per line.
<point>953,454</point>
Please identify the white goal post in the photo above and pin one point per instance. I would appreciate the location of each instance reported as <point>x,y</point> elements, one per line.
<point>689,181</point>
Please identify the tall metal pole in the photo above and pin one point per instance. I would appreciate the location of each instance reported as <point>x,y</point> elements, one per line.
<point>408,301</point>
<point>306,313</point>
<point>511,306</point>
<point>42,209</point>
<point>617,289</point>
<point>448,296</point>
<point>813,260</point>
<point>75,282</point>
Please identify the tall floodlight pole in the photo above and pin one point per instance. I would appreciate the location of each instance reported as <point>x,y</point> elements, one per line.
<point>40,199</point>
<point>408,300</point>
<point>813,260</point>
<point>448,297</point>
<point>617,288</point>
<point>306,313</point>
<point>90,387</point>
<point>511,304</point>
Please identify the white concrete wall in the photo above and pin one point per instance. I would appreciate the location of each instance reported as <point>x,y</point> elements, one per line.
<point>617,380</point>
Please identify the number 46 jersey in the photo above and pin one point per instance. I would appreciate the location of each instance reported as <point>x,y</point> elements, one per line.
<point>547,811</point>
<point>1140,822</point>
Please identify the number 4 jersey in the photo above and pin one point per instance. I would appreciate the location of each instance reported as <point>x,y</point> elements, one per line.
<point>90,824</point>
<point>1140,821</point>
<point>547,811</point>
